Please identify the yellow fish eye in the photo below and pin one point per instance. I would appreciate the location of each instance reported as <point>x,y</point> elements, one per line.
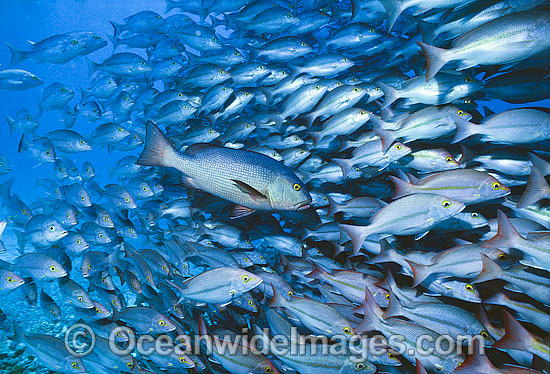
<point>484,334</point>
<point>469,287</point>
<point>182,359</point>
<point>52,311</point>
<point>130,364</point>
<point>89,266</point>
<point>290,293</point>
<point>398,146</point>
<point>297,187</point>
<point>250,302</point>
<point>126,199</point>
<point>359,366</point>
<point>74,365</point>
<point>9,279</point>
<point>97,310</point>
<point>497,186</point>
<point>390,355</point>
<point>446,204</point>
<point>245,278</point>
<point>460,112</point>
<point>53,268</point>
<point>268,370</point>
<point>356,89</point>
<point>501,256</point>
<point>162,323</point>
<point>449,159</point>
<point>346,330</point>
<point>474,215</point>
<point>387,296</point>
<point>80,298</point>
<point>467,79</point>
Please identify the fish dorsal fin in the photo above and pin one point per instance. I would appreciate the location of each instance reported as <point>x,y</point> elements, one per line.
<point>199,147</point>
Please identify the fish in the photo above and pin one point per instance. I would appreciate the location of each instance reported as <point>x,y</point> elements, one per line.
<point>18,80</point>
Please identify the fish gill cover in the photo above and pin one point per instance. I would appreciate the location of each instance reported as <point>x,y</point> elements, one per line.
<point>268,186</point>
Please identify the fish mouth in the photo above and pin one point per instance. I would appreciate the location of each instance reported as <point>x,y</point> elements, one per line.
<point>304,205</point>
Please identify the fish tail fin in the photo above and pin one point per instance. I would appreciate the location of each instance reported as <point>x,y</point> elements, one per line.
<point>388,282</point>
<point>316,273</point>
<point>539,163</point>
<point>377,122</point>
<point>537,189</point>
<point>202,327</point>
<point>345,164</point>
<point>420,272</point>
<point>333,206</point>
<point>387,137</point>
<point>394,9</point>
<point>394,308</point>
<point>357,234</point>
<point>428,30</point>
<point>158,150</point>
<point>372,315</point>
<point>277,300</point>
<point>310,118</point>
<point>507,236</point>
<point>24,144</point>
<point>21,241</point>
<point>390,94</point>
<point>120,275</point>
<point>92,66</point>
<point>435,59</point>
<point>464,129</point>
<point>19,335</point>
<point>11,123</point>
<point>490,270</point>
<point>515,335</point>
<point>316,136</point>
<point>466,156</point>
<point>402,187</point>
<point>16,55</point>
<point>84,93</point>
<point>117,29</point>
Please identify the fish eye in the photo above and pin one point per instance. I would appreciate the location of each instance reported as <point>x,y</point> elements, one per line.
<point>214,39</point>
<point>356,89</point>
<point>131,230</point>
<point>261,67</point>
<point>245,278</point>
<point>289,15</point>
<point>110,82</point>
<point>469,288</point>
<point>390,355</point>
<point>246,94</point>
<point>97,310</point>
<point>449,159</point>
<point>236,53</point>
<point>296,138</point>
<point>222,71</point>
<point>290,293</point>
<point>63,89</point>
<point>484,334</point>
<point>48,153</point>
<point>78,241</point>
<point>142,62</point>
<point>460,112</point>
<point>126,199</point>
<point>387,296</point>
<point>80,298</point>
<point>398,146</point>
<point>377,88</point>
<point>496,186</point>
<point>144,188</point>
<point>9,279</point>
<point>34,77</point>
<point>297,187</point>
<point>467,101</point>
<point>52,311</point>
<point>268,370</point>
<point>100,235</point>
<point>446,204</point>
<point>52,228</point>
<point>74,365</point>
<point>317,87</point>
<point>163,267</point>
<point>130,364</point>
<point>304,44</point>
<point>97,37</point>
<point>209,243</point>
<point>224,89</point>
<point>210,131</point>
<point>95,110</point>
<point>362,112</point>
<point>162,323</point>
<point>346,330</point>
<point>359,366</point>
<point>344,59</point>
<point>105,218</point>
<point>250,302</point>
<point>82,142</point>
<point>501,256</point>
<point>89,266</point>
<point>371,30</point>
<point>173,62</point>
<point>157,17</point>
<point>180,95</point>
<point>338,83</point>
<point>467,79</point>
<point>82,197</point>
<point>68,215</point>
<point>74,42</point>
<point>24,212</point>
<point>474,215</point>
<point>357,169</point>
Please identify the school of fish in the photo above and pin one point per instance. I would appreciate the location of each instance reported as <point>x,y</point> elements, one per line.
<point>329,165</point>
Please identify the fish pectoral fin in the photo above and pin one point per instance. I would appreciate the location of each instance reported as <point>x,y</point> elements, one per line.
<point>248,189</point>
<point>239,211</point>
<point>421,235</point>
